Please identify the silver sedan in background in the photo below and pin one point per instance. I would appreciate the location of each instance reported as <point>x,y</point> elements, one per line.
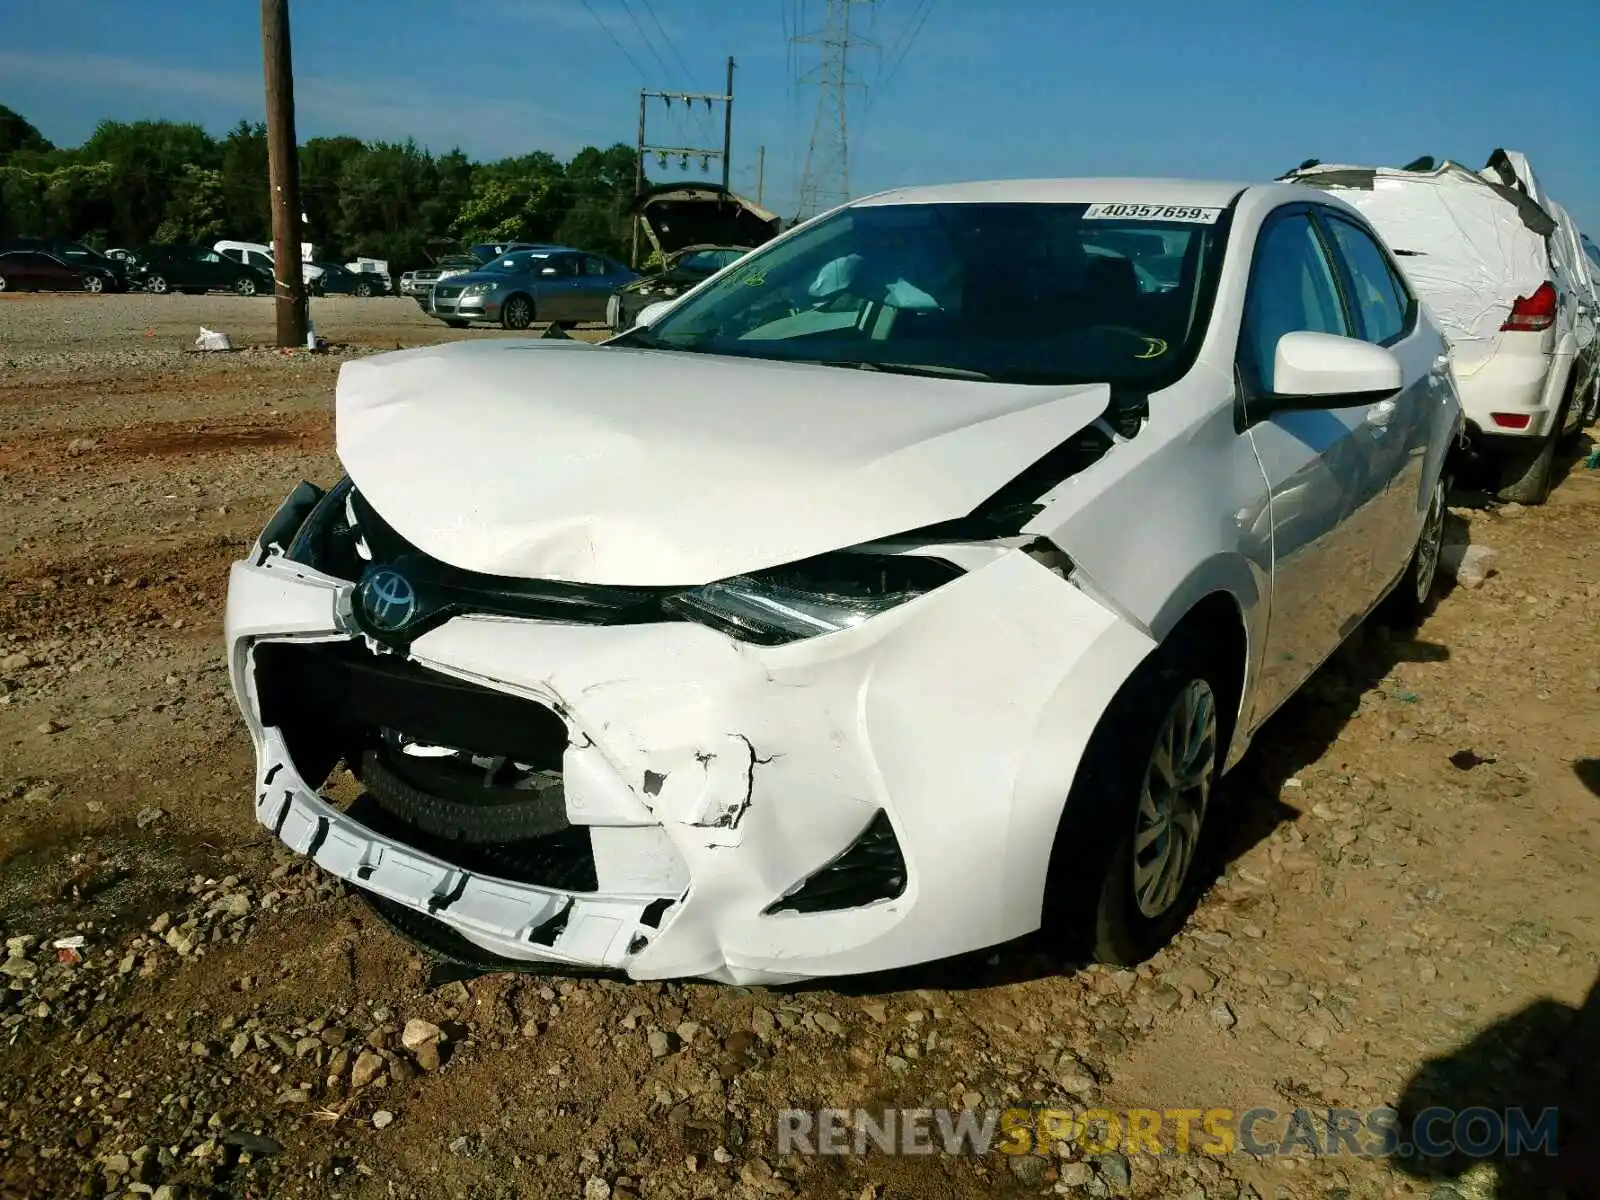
<point>559,286</point>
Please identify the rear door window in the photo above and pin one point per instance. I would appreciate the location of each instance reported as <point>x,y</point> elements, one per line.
<point>1381,304</point>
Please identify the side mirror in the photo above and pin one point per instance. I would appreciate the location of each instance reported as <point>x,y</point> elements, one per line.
<point>1325,370</point>
<point>651,313</point>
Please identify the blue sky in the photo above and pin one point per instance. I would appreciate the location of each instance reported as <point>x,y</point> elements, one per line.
<point>1223,89</point>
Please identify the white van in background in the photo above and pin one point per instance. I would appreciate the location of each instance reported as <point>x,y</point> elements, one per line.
<point>260,255</point>
<point>1501,274</point>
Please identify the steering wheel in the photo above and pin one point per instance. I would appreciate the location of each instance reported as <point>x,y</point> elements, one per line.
<point>1154,347</point>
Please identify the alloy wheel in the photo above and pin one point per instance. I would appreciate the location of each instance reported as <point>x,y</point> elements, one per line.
<point>246,286</point>
<point>518,313</point>
<point>1429,544</point>
<point>156,284</point>
<point>1173,799</point>
<point>94,284</point>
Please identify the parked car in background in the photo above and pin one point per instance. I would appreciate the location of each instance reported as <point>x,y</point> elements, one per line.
<point>259,254</point>
<point>1496,268</point>
<point>377,272</point>
<point>420,282</point>
<point>727,647</point>
<point>75,254</point>
<point>561,287</point>
<point>680,272</point>
<point>696,229</point>
<point>38,271</point>
<point>337,280</point>
<point>196,269</point>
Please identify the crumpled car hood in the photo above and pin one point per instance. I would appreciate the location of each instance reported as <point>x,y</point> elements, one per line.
<point>605,465</point>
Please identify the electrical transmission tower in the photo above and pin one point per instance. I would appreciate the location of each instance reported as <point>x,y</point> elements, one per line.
<point>826,181</point>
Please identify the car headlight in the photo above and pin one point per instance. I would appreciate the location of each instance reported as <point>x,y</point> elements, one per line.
<point>329,539</point>
<point>478,289</point>
<point>821,595</point>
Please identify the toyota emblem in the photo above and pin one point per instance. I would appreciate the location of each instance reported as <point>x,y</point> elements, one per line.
<point>388,599</point>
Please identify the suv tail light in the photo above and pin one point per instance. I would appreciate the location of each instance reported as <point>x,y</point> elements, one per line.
<point>1535,312</point>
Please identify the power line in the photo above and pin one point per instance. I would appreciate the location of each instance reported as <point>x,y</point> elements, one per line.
<point>645,38</point>
<point>927,11</point>
<point>606,29</point>
<point>688,75</point>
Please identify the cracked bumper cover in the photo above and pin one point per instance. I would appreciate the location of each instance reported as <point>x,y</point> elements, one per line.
<point>715,775</point>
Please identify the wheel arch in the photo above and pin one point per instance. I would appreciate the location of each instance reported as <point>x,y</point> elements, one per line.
<point>1214,621</point>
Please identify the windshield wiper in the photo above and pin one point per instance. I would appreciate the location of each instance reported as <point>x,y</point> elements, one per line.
<point>927,370</point>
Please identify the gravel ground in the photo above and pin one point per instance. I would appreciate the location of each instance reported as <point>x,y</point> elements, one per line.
<point>1403,913</point>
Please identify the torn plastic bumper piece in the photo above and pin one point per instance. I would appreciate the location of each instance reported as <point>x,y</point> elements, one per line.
<point>515,921</point>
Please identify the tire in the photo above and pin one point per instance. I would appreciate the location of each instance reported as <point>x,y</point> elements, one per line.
<point>1525,478</point>
<point>1526,475</point>
<point>1106,875</point>
<point>491,816</point>
<point>516,312</point>
<point>245,286</point>
<point>94,285</point>
<point>157,284</point>
<point>4,286</point>
<point>364,289</point>
<point>1412,598</point>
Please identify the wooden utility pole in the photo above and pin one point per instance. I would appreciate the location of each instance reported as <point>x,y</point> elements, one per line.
<point>284,169</point>
<point>727,132</point>
<point>638,182</point>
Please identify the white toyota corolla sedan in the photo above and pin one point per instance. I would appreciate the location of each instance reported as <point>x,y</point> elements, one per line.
<point>901,589</point>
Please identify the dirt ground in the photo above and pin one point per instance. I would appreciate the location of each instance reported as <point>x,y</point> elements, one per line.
<point>1404,913</point>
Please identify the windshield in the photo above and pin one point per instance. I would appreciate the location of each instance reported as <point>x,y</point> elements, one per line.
<point>1020,293</point>
<point>520,262</point>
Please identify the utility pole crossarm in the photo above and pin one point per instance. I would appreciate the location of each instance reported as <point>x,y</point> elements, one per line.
<point>705,154</point>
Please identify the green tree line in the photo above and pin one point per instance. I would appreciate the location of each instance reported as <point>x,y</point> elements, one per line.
<point>136,182</point>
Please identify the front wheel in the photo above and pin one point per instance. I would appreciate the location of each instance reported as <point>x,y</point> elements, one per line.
<point>364,289</point>
<point>94,285</point>
<point>1126,856</point>
<point>4,285</point>
<point>517,313</point>
<point>157,284</point>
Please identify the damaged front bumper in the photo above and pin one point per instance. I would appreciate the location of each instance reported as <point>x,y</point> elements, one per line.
<point>859,801</point>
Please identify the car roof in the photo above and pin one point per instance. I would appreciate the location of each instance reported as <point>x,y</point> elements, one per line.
<point>1199,193</point>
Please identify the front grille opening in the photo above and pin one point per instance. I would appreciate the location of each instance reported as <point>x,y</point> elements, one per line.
<point>870,870</point>
<point>464,773</point>
<point>560,860</point>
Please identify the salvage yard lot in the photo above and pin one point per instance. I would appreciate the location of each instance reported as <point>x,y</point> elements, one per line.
<point>1409,875</point>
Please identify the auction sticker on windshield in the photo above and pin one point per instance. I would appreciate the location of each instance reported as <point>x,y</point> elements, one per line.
<point>1152,212</point>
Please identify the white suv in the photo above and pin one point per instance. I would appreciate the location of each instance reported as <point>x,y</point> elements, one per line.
<point>1500,266</point>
